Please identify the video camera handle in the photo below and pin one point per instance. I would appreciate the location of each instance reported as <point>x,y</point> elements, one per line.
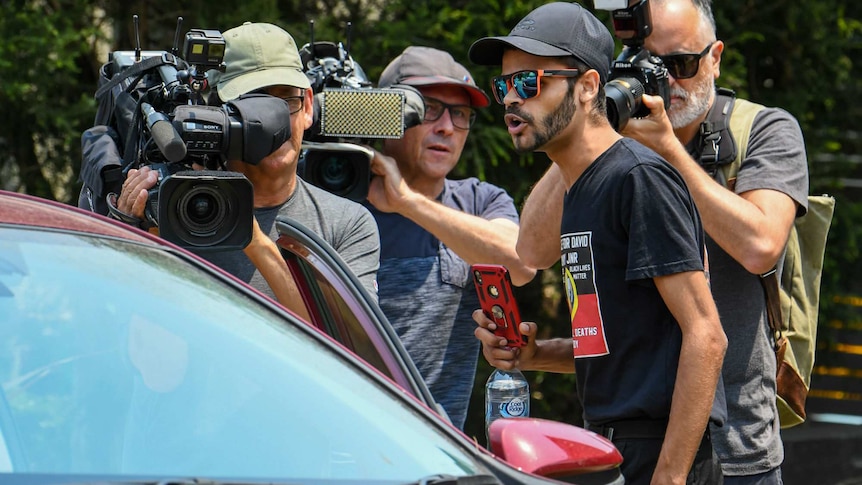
<point>164,134</point>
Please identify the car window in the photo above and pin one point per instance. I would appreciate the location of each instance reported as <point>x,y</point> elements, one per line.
<point>121,359</point>
<point>340,320</point>
<point>340,306</point>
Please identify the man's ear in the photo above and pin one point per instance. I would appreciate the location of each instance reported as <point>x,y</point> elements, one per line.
<point>308,108</point>
<point>715,55</point>
<point>590,82</point>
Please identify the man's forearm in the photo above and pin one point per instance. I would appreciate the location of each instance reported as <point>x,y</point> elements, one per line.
<point>539,238</point>
<point>752,228</point>
<point>700,362</point>
<point>474,239</point>
<point>265,256</point>
<point>552,355</point>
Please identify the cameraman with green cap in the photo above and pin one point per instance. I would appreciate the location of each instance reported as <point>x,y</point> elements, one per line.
<point>263,58</point>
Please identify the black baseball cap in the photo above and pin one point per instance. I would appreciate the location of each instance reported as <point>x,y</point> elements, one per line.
<point>553,30</point>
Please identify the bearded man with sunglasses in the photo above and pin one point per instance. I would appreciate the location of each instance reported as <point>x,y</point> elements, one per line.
<point>747,226</point>
<point>263,58</point>
<point>432,228</point>
<point>646,341</point>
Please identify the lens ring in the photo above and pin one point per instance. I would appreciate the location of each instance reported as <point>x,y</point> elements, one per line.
<point>336,175</point>
<point>202,210</point>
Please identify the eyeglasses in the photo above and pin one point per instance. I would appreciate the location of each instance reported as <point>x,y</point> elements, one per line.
<point>293,102</point>
<point>462,116</point>
<point>684,66</point>
<point>527,84</point>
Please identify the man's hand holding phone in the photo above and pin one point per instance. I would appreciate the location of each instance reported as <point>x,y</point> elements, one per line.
<point>494,288</point>
<point>506,341</point>
<point>495,349</point>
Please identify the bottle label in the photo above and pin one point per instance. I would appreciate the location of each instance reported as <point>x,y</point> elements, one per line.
<point>513,409</point>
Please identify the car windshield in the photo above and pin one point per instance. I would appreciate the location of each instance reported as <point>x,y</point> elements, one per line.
<point>121,359</point>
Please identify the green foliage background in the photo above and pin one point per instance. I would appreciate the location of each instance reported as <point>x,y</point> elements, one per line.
<point>799,55</point>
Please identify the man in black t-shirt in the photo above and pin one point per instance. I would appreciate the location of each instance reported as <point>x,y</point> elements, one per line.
<point>646,337</point>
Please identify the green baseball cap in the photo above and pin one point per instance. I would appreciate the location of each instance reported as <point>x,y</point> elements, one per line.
<point>258,55</point>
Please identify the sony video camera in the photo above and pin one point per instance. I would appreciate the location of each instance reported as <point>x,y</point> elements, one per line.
<point>636,71</point>
<point>155,100</point>
<point>348,113</point>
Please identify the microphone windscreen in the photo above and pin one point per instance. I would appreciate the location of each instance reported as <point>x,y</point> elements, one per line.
<point>168,140</point>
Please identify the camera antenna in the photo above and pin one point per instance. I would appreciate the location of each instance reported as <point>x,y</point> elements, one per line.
<point>311,28</point>
<point>349,37</point>
<point>176,47</point>
<point>137,38</point>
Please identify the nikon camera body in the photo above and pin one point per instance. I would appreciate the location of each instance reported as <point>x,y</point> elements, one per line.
<point>636,71</point>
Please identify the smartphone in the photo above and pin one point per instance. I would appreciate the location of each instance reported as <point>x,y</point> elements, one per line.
<point>494,287</point>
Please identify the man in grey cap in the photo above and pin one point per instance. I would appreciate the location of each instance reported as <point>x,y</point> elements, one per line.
<point>261,57</point>
<point>433,228</point>
<point>646,337</point>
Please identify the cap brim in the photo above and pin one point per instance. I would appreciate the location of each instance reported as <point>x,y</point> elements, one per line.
<point>478,98</point>
<point>252,81</point>
<point>488,51</point>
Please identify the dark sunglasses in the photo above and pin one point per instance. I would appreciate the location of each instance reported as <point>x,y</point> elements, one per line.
<point>684,66</point>
<point>527,84</point>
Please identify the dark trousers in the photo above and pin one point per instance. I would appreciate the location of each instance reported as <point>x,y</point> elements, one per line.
<point>640,446</point>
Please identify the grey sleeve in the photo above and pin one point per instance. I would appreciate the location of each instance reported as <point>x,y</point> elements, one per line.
<point>501,205</point>
<point>776,157</point>
<point>359,246</point>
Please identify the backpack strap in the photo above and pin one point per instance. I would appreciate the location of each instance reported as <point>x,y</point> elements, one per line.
<point>717,146</point>
<point>741,120</point>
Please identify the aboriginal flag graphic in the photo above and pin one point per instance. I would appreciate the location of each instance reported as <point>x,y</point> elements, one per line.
<point>588,333</point>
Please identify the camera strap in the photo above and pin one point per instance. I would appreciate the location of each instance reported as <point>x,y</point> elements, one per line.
<point>716,146</point>
<point>135,70</point>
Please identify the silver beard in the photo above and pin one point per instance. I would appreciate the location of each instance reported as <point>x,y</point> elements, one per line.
<point>694,105</point>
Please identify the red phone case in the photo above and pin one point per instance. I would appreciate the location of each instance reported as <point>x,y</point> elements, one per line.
<point>494,287</point>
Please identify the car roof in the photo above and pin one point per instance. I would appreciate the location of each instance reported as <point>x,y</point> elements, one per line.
<point>28,210</point>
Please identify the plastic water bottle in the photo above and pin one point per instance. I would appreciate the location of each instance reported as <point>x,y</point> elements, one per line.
<point>507,395</point>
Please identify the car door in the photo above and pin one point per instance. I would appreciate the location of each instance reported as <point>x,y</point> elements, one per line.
<point>339,305</point>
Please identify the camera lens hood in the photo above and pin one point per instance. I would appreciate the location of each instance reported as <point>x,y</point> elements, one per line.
<point>265,125</point>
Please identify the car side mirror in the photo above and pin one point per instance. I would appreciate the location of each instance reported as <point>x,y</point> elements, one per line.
<point>553,449</point>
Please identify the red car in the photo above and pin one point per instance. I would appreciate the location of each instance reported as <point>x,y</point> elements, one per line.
<point>126,359</point>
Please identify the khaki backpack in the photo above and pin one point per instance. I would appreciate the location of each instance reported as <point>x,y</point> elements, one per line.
<point>792,289</point>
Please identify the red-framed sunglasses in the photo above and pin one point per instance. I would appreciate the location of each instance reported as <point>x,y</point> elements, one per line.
<point>527,83</point>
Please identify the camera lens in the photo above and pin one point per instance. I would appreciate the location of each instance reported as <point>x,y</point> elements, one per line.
<point>337,168</point>
<point>337,175</point>
<point>202,210</point>
<point>207,210</point>
<point>623,98</point>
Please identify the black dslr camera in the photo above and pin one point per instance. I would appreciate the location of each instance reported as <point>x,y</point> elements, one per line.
<point>155,101</point>
<point>635,72</point>
<point>348,113</point>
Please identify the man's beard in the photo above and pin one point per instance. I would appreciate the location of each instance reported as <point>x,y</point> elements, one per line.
<point>551,125</point>
<point>695,103</point>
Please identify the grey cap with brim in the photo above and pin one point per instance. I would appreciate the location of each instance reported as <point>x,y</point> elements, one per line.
<point>427,66</point>
<point>553,30</point>
<point>258,55</point>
